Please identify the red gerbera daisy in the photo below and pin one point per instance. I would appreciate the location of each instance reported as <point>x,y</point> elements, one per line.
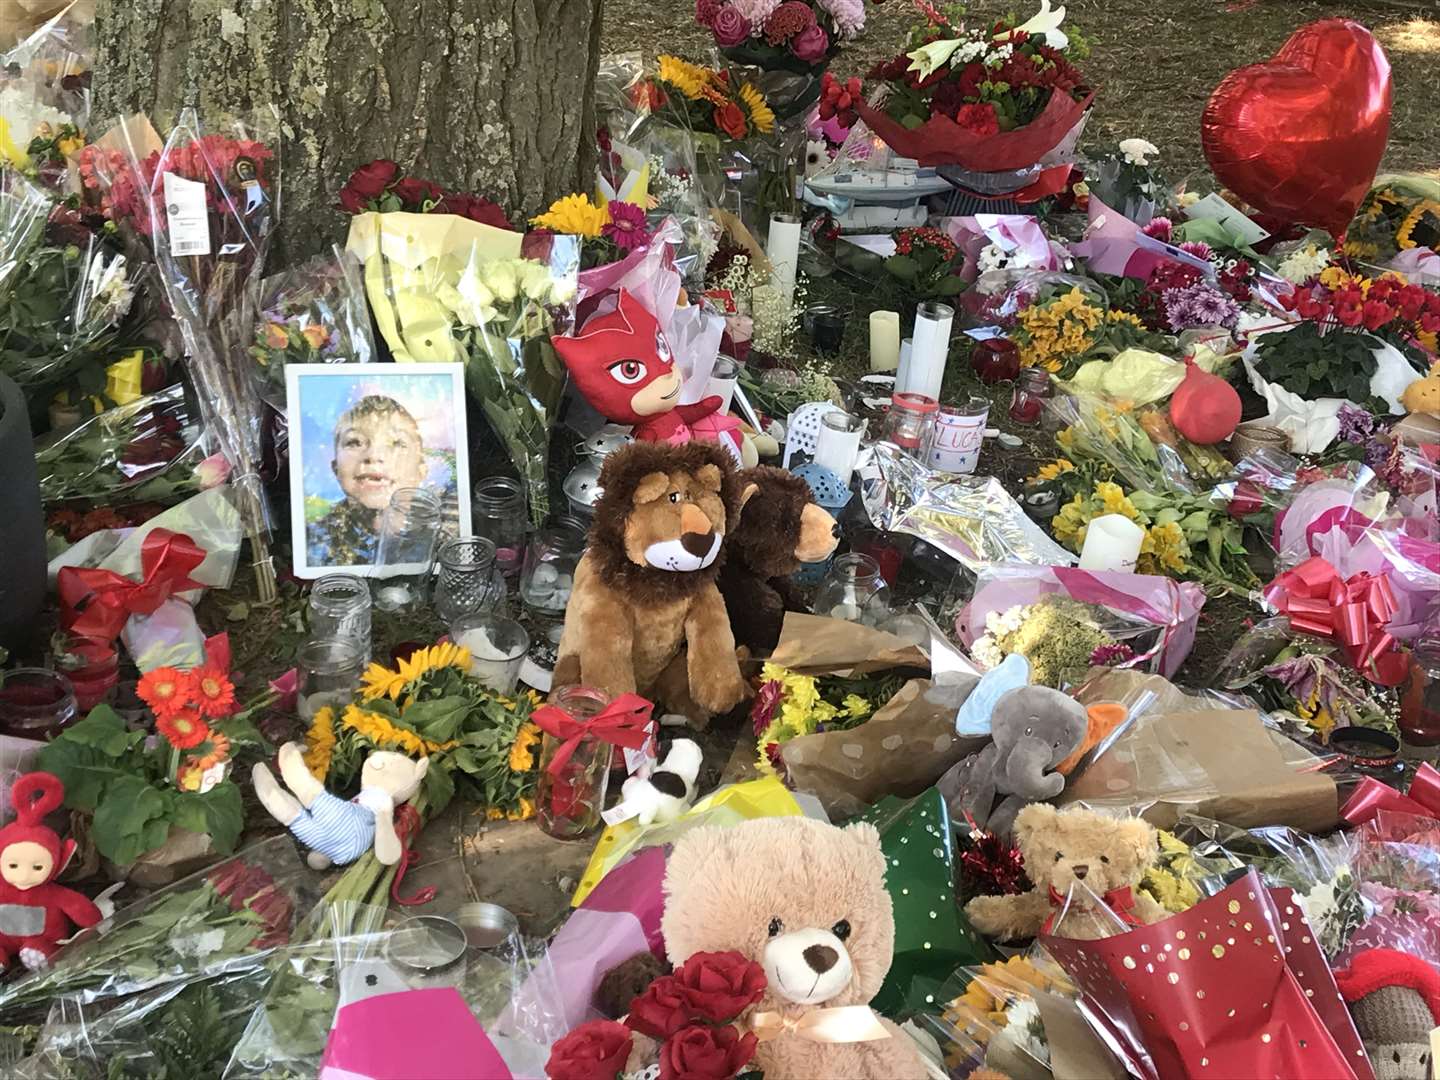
<point>184,729</point>
<point>165,690</point>
<point>213,692</point>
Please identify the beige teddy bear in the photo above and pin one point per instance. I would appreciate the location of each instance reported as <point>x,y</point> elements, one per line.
<point>807,902</point>
<point>1099,856</point>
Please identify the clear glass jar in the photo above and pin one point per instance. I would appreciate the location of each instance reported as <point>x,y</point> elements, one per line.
<point>1027,403</point>
<point>910,421</point>
<point>329,674</point>
<point>995,360</point>
<point>568,800</point>
<point>498,512</point>
<point>340,608</point>
<point>469,580</point>
<point>959,433</point>
<point>550,561</point>
<point>853,590</point>
<point>36,703</point>
<point>409,531</point>
<point>1420,700</point>
<point>497,648</point>
<point>93,668</point>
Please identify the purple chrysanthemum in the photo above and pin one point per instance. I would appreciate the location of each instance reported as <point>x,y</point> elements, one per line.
<point>1357,425</point>
<point>1198,305</point>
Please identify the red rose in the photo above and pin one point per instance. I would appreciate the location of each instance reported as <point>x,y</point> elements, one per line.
<point>593,1051</point>
<point>370,181</point>
<point>706,1053</point>
<point>1246,501</point>
<point>661,1011</point>
<point>412,191</point>
<point>720,986</point>
<point>730,119</point>
<point>474,207</point>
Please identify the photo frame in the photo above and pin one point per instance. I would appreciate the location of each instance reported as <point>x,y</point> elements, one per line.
<point>358,433</point>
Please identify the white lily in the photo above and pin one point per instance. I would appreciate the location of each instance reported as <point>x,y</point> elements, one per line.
<point>930,57</point>
<point>1045,23</point>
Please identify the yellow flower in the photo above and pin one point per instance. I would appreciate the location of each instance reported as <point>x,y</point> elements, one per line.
<point>320,743</point>
<point>380,732</point>
<point>523,812</point>
<point>380,681</point>
<point>574,215</point>
<point>1117,317</point>
<point>690,79</point>
<point>522,757</point>
<point>1164,548</point>
<point>1053,470</point>
<point>1112,497</point>
<point>761,115</point>
<point>856,706</point>
<point>1404,239</point>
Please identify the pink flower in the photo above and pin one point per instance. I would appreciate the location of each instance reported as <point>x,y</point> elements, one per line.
<point>212,472</point>
<point>730,27</point>
<point>811,44</point>
<point>1159,228</point>
<point>766,702</point>
<point>1197,248</point>
<point>626,229</point>
<point>705,11</point>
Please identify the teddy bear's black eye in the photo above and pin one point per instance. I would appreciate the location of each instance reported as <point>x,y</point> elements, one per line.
<point>1395,1056</point>
<point>1105,859</point>
<point>674,496</point>
<point>776,926</point>
<point>1059,855</point>
<point>841,929</point>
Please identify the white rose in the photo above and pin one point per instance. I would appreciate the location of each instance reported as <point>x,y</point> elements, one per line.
<point>1138,151</point>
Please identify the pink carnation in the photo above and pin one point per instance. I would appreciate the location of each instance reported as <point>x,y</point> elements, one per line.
<point>755,11</point>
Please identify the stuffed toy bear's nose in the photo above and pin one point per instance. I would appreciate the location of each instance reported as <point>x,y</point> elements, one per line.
<point>1080,871</point>
<point>821,958</point>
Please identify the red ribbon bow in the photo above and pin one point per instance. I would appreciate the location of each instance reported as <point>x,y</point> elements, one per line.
<point>95,603</point>
<point>624,722</point>
<point>1353,613</point>
<point>1371,796</point>
<point>1121,901</point>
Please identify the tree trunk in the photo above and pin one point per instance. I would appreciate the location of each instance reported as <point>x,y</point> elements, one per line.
<point>490,96</point>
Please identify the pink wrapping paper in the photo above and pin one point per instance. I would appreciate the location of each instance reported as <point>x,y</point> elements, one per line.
<point>414,1033</point>
<point>1114,244</point>
<point>1161,601</point>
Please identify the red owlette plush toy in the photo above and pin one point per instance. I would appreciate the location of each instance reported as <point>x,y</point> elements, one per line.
<point>35,913</point>
<point>623,365</point>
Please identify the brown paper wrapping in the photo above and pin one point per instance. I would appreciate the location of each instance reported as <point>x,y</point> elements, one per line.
<point>1222,764</point>
<point>902,749</point>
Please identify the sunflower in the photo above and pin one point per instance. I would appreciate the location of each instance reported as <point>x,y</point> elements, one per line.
<point>761,115</point>
<point>213,691</point>
<point>320,742</point>
<point>690,79</point>
<point>165,690</point>
<point>574,215</point>
<point>183,729</point>
<point>380,681</point>
<point>1404,236</point>
<point>522,754</point>
<point>380,731</point>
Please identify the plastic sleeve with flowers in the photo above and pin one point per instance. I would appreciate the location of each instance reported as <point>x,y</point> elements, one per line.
<point>1099,429</point>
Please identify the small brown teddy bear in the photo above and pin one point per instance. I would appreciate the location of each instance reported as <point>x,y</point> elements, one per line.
<point>807,902</point>
<point>1105,856</point>
<point>781,527</point>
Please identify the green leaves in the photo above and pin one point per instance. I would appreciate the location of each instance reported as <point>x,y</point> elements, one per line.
<point>1337,364</point>
<point>90,755</point>
<point>131,819</point>
<point>218,812</point>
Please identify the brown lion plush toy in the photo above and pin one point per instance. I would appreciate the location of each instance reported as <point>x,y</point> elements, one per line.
<point>645,588</point>
<point>780,528</point>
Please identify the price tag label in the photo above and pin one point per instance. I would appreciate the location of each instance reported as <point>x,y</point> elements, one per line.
<point>188,219</point>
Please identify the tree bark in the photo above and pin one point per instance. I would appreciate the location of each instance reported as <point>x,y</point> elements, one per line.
<point>490,96</point>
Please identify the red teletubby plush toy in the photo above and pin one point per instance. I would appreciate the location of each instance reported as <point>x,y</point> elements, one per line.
<point>623,365</point>
<point>35,913</point>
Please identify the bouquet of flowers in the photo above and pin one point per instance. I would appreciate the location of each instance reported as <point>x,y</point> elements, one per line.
<point>796,35</point>
<point>993,98</point>
<point>1061,321</point>
<point>379,187</point>
<point>1138,445</point>
<point>314,313</point>
<point>480,743</point>
<point>1061,638</point>
<point>790,704</point>
<point>925,266</point>
<point>993,1020</point>
<point>1402,213</point>
<point>1125,180</point>
<point>608,232</point>
<point>707,101</point>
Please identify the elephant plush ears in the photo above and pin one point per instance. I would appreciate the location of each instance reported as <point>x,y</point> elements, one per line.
<point>974,700</point>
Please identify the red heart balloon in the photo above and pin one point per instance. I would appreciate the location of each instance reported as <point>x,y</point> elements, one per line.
<point>1300,136</point>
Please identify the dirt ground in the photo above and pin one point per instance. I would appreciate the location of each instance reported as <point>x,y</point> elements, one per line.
<point>1155,62</point>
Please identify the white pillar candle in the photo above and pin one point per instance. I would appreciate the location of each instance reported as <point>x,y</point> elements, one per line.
<point>782,248</point>
<point>929,350</point>
<point>884,340</point>
<point>838,443</point>
<point>1112,542</point>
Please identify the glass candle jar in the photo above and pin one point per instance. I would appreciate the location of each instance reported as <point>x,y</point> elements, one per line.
<point>838,444</point>
<point>909,422</point>
<point>569,799</point>
<point>340,608</point>
<point>995,360</point>
<point>1027,403</point>
<point>469,581</point>
<point>498,513</point>
<point>93,668</point>
<point>36,703</point>
<point>1420,700</point>
<point>959,431</point>
<point>329,673</point>
<point>550,561</point>
<point>497,648</point>
<point>409,531</point>
<point>853,591</point>
<point>723,378</point>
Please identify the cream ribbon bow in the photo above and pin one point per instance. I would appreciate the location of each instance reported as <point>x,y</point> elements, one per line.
<point>841,1024</point>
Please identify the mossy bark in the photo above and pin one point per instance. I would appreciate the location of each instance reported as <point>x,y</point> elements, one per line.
<point>492,96</point>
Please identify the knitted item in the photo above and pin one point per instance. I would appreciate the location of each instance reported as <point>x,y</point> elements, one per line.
<point>1395,1000</point>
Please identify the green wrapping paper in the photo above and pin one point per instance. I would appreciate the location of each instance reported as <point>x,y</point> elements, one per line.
<point>932,935</point>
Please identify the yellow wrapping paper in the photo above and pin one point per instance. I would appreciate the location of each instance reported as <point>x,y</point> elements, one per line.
<point>409,259</point>
<point>726,807</point>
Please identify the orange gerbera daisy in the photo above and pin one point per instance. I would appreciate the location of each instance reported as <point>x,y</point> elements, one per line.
<point>219,751</point>
<point>165,690</point>
<point>213,692</point>
<point>183,729</point>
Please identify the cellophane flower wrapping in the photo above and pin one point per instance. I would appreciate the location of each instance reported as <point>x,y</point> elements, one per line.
<point>1235,986</point>
<point>210,206</point>
<point>1397,866</point>
<point>45,102</point>
<point>143,451</point>
<point>1154,617</point>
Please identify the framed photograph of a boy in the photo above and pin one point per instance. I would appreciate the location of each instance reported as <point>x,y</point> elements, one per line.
<point>358,434</point>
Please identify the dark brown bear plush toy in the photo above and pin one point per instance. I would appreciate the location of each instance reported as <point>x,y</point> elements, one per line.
<point>780,527</point>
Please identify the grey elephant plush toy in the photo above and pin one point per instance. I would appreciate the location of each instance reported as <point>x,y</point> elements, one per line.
<point>1034,729</point>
